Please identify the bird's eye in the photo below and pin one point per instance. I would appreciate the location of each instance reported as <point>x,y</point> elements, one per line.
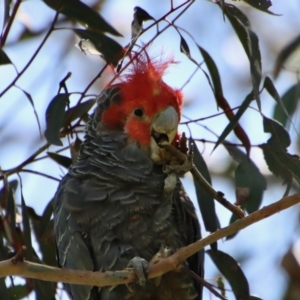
<point>138,112</point>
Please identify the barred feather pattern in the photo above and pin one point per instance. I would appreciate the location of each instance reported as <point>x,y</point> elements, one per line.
<point>110,208</point>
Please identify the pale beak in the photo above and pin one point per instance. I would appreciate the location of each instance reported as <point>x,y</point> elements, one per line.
<point>165,125</point>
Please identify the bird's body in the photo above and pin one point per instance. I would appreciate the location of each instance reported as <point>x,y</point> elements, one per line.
<point>111,206</point>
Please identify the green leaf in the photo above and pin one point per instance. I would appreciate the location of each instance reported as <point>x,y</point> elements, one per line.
<point>233,218</point>
<point>184,47</point>
<point>279,161</point>
<point>44,290</point>
<point>6,13</point>
<point>249,41</point>
<point>3,256</point>
<point>11,208</point>
<point>260,4</point>
<point>60,159</point>
<point>249,182</point>
<point>231,270</point>
<point>247,176</point>
<point>4,59</point>
<point>111,51</point>
<point>220,99</point>
<point>14,184</point>
<point>26,229</point>
<point>280,138</point>
<point>213,71</point>
<point>55,115</point>
<point>45,220</point>
<point>205,201</point>
<point>285,54</point>
<point>139,17</point>
<point>78,111</point>
<point>280,109</point>
<point>234,121</point>
<point>283,111</point>
<point>18,292</point>
<point>221,286</point>
<point>83,13</point>
<point>250,185</point>
<point>270,87</point>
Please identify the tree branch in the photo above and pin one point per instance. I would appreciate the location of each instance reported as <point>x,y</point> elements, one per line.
<point>38,271</point>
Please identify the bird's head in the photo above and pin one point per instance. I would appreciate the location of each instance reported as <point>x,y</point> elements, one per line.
<point>145,107</point>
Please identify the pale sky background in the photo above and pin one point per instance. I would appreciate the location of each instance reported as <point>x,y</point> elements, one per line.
<point>264,243</point>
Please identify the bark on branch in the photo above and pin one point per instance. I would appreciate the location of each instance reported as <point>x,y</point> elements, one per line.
<point>38,271</point>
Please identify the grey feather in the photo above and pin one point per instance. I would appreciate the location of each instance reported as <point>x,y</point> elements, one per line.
<point>110,208</point>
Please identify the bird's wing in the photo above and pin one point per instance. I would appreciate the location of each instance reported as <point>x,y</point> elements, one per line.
<point>72,250</point>
<point>189,227</point>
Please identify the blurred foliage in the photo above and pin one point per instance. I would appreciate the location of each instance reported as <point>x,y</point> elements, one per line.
<point>21,225</point>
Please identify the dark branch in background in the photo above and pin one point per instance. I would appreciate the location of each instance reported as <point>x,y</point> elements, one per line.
<point>207,118</point>
<point>9,23</point>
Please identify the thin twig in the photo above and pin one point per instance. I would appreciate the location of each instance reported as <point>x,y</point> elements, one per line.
<point>209,117</point>
<point>25,162</point>
<point>83,94</point>
<point>202,282</point>
<point>204,141</point>
<point>40,174</point>
<point>9,23</point>
<point>32,158</point>
<point>33,56</point>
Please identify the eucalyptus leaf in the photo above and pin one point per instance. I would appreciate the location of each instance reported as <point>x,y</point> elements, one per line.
<point>55,115</point>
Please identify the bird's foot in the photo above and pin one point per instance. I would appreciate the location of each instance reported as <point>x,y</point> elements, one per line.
<point>163,252</point>
<point>174,170</point>
<point>141,269</point>
<point>183,163</point>
<point>170,185</point>
<point>180,169</point>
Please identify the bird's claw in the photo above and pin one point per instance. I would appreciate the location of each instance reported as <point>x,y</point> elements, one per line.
<point>176,169</point>
<point>141,269</point>
<point>180,169</point>
<point>170,184</point>
<point>163,252</point>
